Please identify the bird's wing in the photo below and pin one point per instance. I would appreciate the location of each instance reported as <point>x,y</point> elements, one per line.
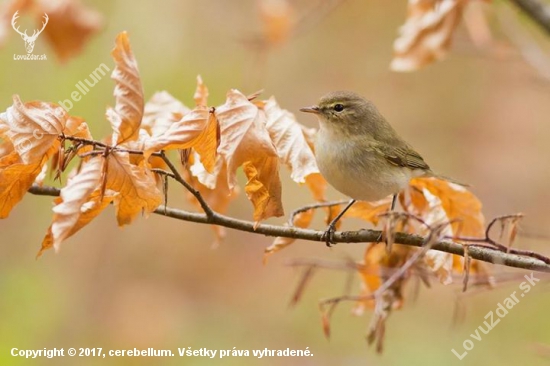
<point>403,156</point>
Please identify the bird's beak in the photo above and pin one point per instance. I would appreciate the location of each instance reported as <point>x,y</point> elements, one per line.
<point>313,109</point>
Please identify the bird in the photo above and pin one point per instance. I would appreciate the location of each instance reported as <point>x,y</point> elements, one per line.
<point>360,154</point>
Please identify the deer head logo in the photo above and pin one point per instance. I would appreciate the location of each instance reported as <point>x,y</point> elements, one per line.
<point>29,40</point>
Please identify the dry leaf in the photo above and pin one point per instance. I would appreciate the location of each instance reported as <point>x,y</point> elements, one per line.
<point>301,220</point>
<point>17,177</point>
<point>70,25</point>
<point>136,185</point>
<point>369,211</point>
<point>426,35</point>
<point>34,127</point>
<point>377,267</point>
<point>218,198</point>
<point>160,112</point>
<point>197,129</point>
<point>89,210</point>
<point>126,117</point>
<point>459,204</point>
<point>67,211</point>
<point>245,141</point>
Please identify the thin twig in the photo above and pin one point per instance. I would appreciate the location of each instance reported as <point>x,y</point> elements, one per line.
<point>361,236</point>
<point>177,176</point>
<point>537,11</point>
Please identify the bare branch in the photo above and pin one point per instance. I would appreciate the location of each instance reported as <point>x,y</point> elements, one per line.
<point>490,255</point>
<point>537,11</point>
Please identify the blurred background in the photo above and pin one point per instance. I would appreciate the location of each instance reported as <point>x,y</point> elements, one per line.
<point>480,116</point>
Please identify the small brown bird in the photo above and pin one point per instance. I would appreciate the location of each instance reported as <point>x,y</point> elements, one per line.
<point>359,153</point>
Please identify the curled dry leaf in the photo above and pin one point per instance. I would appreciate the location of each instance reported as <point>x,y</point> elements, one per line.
<point>70,25</point>
<point>245,142</point>
<point>16,178</point>
<point>197,129</point>
<point>461,206</point>
<point>89,210</point>
<point>377,267</point>
<point>135,184</point>
<point>426,35</point>
<point>291,144</point>
<point>126,117</point>
<point>68,208</point>
<point>218,198</point>
<point>160,112</point>
<point>33,128</point>
<point>301,220</point>
<point>369,211</point>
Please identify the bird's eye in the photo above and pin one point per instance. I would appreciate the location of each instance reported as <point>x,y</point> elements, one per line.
<point>338,107</point>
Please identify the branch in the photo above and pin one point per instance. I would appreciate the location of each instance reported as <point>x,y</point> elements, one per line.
<point>537,11</point>
<point>361,236</point>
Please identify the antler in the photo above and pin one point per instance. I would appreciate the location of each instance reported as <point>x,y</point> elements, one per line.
<point>34,35</point>
<point>13,19</point>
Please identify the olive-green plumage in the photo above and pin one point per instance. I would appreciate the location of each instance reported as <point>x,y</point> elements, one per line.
<point>357,150</point>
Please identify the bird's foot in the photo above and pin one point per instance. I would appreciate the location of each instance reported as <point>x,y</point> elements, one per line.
<point>328,235</point>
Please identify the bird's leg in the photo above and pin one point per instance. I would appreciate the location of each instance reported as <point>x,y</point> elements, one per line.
<point>392,207</point>
<point>331,228</point>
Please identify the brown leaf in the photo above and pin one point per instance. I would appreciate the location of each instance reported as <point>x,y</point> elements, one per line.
<point>73,196</point>
<point>459,204</point>
<point>378,266</point>
<point>17,177</point>
<point>70,25</point>
<point>33,128</point>
<point>369,211</point>
<point>245,141</point>
<point>197,129</point>
<point>291,144</point>
<point>161,111</point>
<point>301,220</point>
<point>126,117</point>
<point>217,195</point>
<point>201,93</point>
<point>426,35</point>
<point>89,210</point>
<point>136,185</point>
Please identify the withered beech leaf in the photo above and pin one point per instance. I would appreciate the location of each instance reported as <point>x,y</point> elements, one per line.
<point>201,93</point>
<point>369,211</point>
<point>70,25</point>
<point>245,139</point>
<point>89,210</point>
<point>426,35</point>
<point>263,188</point>
<point>136,185</point>
<point>16,177</point>
<point>377,267</point>
<point>126,117</point>
<point>291,144</point>
<point>197,129</point>
<point>301,220</point>
<point>34,127</point>
<point>160,112</point>
<point>218,198</point>
<point>68,210</point>
<point>461,206</point>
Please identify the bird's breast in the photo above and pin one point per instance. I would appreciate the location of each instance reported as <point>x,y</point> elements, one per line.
<point>354,169</point>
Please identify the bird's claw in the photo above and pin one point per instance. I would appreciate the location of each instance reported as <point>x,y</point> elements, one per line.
<point>328,235</point>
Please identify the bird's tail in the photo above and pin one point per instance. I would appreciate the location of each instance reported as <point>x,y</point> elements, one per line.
<point>448,179</point>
